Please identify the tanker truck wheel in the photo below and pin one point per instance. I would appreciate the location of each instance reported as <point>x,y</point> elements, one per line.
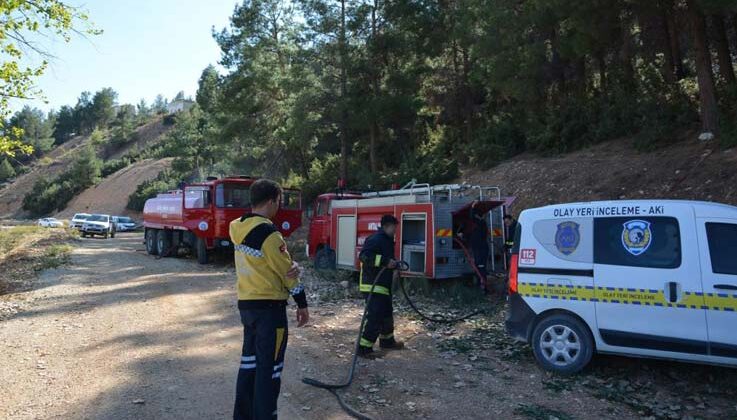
<point>201,251</point>
<point>151,241</point>
<point>163,243</point>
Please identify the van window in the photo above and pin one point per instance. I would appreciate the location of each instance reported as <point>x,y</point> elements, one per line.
<point>566,239</point>
<point>653,242</point>
<point>722,239</point>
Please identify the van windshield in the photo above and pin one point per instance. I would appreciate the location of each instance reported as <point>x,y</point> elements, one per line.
<point>98,218</point>
<point>81,216</point>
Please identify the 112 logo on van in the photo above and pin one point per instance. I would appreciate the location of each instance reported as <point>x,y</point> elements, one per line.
<point>527,256</point>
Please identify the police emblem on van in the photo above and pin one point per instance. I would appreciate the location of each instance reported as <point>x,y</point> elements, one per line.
<point>636,237</point>
<point>567,237</point>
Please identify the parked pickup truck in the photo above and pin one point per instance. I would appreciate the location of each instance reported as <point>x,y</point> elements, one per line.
<point>98,224</point>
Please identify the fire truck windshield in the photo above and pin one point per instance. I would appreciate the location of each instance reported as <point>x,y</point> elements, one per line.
<point>229,195</point>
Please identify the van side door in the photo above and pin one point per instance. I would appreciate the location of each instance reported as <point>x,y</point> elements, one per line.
<point>648,285</point>
<point>718,239</point>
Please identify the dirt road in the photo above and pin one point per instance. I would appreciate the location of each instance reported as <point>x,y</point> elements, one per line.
<point>117,334</point>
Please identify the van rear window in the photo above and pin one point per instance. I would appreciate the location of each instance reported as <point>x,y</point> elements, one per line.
<point>653,242</point>
<point>722,239</point>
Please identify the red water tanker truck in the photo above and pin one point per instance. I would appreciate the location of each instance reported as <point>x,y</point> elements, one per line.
<point>198,215</point>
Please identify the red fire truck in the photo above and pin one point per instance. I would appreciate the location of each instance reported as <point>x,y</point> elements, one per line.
<point>432,222</point>
<point>198,216</point>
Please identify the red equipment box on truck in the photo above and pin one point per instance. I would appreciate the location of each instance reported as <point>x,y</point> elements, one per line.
<point>198,216</point>
<point>432,223</point>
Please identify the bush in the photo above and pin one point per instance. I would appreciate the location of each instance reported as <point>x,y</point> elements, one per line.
<point>6,170</point>
<point>48,196</point>
<point>165,181</point>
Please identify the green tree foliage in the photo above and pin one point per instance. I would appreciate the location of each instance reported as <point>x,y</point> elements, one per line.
<point>160,105</point>
<point>102,108</point>
<point>381,92</point>
<point>22,21</point>
<point>37,128</point>
<point>49,195</point>
<point>6,170</point>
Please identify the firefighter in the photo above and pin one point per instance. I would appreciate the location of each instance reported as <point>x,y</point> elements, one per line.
<point>510,227</point>
<point>377,253</point>
<point>479,241</point>
<point>266,277</point>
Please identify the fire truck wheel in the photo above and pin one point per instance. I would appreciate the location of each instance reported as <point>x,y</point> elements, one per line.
<point>201,250</point>
<point>163,243</point>
<point>151,241</point>
<point>325,259</point>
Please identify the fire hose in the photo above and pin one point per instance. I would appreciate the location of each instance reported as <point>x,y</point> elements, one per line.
<point>333,388</point>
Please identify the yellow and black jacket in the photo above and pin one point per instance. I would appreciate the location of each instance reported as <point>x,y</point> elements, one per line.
<point>261,263</point>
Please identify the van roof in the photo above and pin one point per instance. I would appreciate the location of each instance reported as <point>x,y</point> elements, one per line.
<point>701,208</point>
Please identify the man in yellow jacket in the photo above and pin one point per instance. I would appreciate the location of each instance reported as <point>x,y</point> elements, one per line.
<point>267,276</point>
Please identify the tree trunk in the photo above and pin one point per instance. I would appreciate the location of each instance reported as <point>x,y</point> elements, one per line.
<point>374,130</point>
<point>724,57</point>
<point>707,93</point>
<point>675,44</point>
<point>343,95</point>
<point>669,65</point>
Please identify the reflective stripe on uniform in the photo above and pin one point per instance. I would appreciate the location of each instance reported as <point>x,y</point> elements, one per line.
<point>377,260</point>
<point>365,343</point>
<point>279,341</point>
<point>629,296</point>
<point>386,336</point>
<point>366,288</point>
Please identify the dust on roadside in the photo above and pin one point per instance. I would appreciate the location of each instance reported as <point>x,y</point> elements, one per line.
<point>24,252</point>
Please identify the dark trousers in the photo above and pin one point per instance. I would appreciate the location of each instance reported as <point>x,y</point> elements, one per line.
<point>481,259</point>
<point>379,320</point>
<point>262,361</point>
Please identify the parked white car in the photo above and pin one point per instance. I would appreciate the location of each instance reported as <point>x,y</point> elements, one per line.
<point>98,224</point>
<point>124,224</point>
<point>50,222</point>
<point>78,220</point>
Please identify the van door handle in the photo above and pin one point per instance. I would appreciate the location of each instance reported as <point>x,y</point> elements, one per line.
<point>673,292</point>
<point>725,286</point>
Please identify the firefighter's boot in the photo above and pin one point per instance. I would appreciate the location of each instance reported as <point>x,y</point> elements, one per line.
<point>391,344</point>
<point>367,353</point>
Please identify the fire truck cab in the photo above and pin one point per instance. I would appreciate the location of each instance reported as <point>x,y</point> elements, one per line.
<point>198,215</point>
<point>432,223</point>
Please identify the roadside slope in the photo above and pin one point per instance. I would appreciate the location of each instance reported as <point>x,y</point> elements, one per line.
<point>614,170</point>
<point>111,195</point>
<point>58,160</point>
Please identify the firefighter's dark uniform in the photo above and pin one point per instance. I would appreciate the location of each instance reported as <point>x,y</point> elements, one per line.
<point>480,243</point>
<point>261,263</point>
<point>377,252</point>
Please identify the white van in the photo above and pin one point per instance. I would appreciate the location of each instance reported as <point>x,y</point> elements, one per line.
<point>641,278</point>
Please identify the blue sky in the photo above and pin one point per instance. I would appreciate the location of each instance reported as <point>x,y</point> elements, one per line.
<point>148,47</point>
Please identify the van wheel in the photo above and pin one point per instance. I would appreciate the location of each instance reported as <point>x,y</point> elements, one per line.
<point>325,259</point>
<point>562,344</point>
<point>201,251</point>
<point>163,243</point>
<point>151,241</point>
